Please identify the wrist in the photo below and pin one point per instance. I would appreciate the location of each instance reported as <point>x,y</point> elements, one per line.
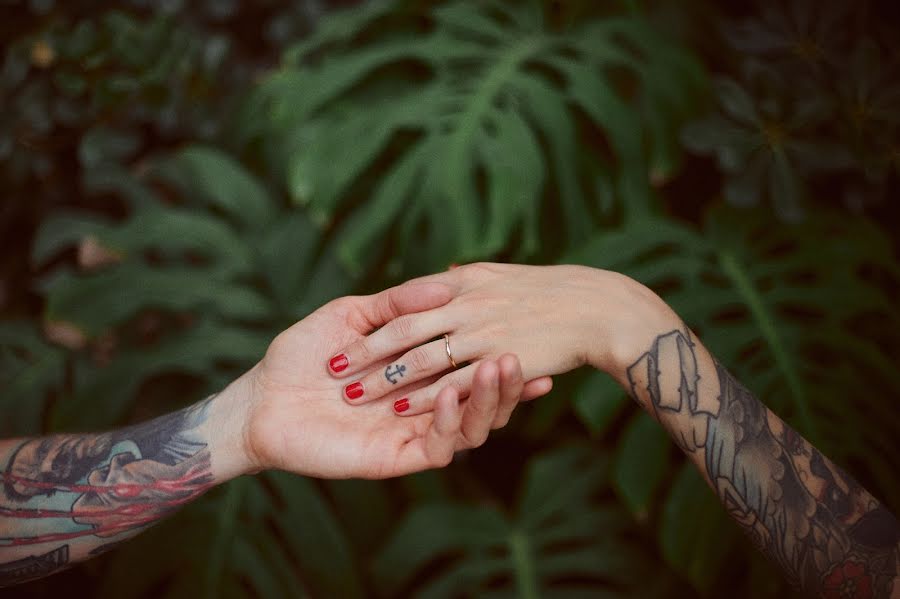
<point>226,429</point>
<point>630,317</point>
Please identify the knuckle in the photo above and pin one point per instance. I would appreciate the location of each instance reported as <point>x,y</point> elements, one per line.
<point>402,327</point>
<point>363,352</point>
<point>418,360</point>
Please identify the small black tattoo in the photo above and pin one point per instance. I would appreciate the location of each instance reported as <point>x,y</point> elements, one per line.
<point>392,375</point>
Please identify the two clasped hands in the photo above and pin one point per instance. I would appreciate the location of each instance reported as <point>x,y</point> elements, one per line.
<point>396,382</point>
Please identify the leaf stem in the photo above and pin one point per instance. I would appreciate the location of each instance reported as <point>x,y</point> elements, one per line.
<point>234,495</point>
<point>523,565</point>
<point>738,275</point>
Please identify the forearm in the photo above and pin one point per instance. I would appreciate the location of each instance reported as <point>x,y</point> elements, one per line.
<point>809,517</point>
<point>65,498</point>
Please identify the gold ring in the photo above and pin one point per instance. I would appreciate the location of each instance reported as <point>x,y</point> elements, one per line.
<point>447,347</point>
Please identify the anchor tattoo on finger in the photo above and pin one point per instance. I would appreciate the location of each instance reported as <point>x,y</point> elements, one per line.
<point>393,375</point>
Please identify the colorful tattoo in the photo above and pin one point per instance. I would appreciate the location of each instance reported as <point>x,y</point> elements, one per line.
<point>64,488</point>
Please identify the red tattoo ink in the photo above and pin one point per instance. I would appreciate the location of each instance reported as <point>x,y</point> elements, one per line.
<point>354,391</point>
<point>401,405</point>
<point>140,513</point>
<point>339,363</point>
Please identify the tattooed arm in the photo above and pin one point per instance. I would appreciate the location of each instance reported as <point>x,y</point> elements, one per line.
<point>830,536</point>
<point>64,498</point>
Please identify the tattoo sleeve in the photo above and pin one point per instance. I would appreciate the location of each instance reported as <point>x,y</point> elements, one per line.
<point>63,497</point>
<point>829,535</point>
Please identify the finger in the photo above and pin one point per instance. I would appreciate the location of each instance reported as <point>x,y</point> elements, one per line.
<point>481,408</point>
<point>511,385</point>
<point>394,338</point>
<point>435,448</point>
<point>413,296</point>
<point>431,439</point>
<point>415,365</point>
<point>408,298</point>
<point>422,400</point>
<point>538,387</point>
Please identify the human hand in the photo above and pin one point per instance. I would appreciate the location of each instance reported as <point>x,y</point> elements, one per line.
<point>291,417</point>
<point>555,318</point>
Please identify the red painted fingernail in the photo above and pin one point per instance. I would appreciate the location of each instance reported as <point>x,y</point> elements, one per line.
<point>401,405</point>
<point>452,266</point>
<point>339,363</point>
<point>354,390</point>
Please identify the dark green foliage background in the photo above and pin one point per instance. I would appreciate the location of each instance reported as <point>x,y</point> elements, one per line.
<point>184,180</point>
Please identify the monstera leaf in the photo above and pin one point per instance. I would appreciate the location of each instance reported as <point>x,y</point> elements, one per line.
<point>562,540</point>
<point>198,288</point>
<point>30,369</point>
<point>268,536</point>
<point>802,315</point>
<point>453,138</point>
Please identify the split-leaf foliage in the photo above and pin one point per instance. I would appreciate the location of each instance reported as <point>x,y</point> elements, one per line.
<point>397,138</point>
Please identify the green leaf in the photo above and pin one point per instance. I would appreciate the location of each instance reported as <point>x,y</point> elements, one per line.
<point>598,401</point>
<point>96,302</point>
<point>695,534</point>
<point>104,394</point>
<point>561,530</point>
<point>641,463</point>
<point>316,538</point>
<point>220,181</point>
<point>474,119</point>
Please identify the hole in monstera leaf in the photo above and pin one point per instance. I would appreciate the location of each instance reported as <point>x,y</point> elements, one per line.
<point>883,277</point>
<point>629,46</point>
<point>667,286</point>
<point>870,325</point>
<point>593,139</point>
<point>806,277</point>
<point>801,314</point>
<point>779,249</point>
<point>751,350</point>
<point>500,16</point>
<point>731,315</point>
<point>388,82</point>
<point>715,278</point>
<point>548,74</point>
<point>624,81</point>
<point>765,283</point>
<point>490,128</point>
<point>481,181</point>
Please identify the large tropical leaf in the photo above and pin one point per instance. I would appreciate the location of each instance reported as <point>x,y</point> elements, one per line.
<point>562,540</point>
<point>464,130</point>
<point>267,536</point>
<point>196,288</point>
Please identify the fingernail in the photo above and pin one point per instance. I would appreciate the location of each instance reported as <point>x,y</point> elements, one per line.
<point>401,405</point>
<point>353,390</point>
<point>338,363</point>
<point>452,266</point>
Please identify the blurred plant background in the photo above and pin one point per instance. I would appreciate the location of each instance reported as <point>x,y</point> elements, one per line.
<point>184,180</point>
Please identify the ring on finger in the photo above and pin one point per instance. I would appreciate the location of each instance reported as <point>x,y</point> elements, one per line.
<point>449,353</point>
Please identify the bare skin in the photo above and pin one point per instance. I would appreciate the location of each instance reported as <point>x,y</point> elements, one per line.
<point>64,498</point>
<point>830,537</point>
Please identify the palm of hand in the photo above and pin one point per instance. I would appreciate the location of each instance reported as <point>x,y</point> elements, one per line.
<point>299,421</point>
